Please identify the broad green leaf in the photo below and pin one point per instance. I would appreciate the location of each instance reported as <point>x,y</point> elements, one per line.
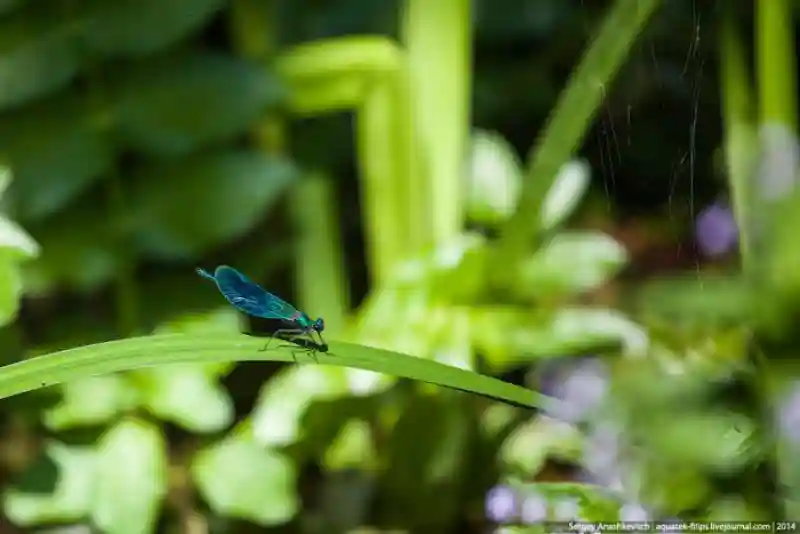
<point>56,149</point>
<point>702,300</point>
<point>716,441</point>
<point>137,352</point>
<point>7,6</point>
<point>242,479</point>
<point>571,263</point>
<point>187,395</point>
<point>565,194</point>
<point>73,494</point>
<point>284,399</point>
<point>68,257</point>
<point>132,28</point>
<point>38,54</point>
<point>173,201</point>
<point>130,478</point>
<point>494,178</point>
<point>178,104</point>
<point>15,242</point>
<point>511,336</point>
<point>92,401</point>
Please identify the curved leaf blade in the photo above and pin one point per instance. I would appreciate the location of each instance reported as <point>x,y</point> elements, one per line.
<point>138,352</point>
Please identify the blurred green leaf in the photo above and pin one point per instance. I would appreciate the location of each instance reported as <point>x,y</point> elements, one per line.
<point>283,400</point>
<point>38,53</point>
<point>172,202</point>
<point>427,449</point>
<point>69,258</point>
<point>510,336</point>
<point>56,150</point>
<point>187,395</point>
<point>10,289</point>
<point>132,28</point>
<point>565,194</point>
<point>130,478</point>
<point>707,299</point>
<point>92,401</point>
<point>71,498</point>
<point>494,178</point>
<point>717,441</point>
<point>174,105</point>
<point>529,447</point>
<point>7,6</point>
<point>352,448</point>
<point>571,263</point>
<point>41,477</point>
<point>242,479</point>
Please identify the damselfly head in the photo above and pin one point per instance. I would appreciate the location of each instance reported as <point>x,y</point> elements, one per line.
<point>319,325</point>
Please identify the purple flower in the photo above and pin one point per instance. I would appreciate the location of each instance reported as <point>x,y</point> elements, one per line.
<point>716,231</point>
<point>789,415</point>
<point>581,391</point>
<point>534,509</point>
<point>501,504</point>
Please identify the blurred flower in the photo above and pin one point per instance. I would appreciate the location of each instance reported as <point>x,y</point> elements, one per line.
<point>582,389</point>
<point>501,504</point>
<point>494,178</point>
<point>716,230</point>
<point>789,415</point>
<point>633,512</point>
<point>534,509</point>
<point>566,510</point>
<point>600,455</point>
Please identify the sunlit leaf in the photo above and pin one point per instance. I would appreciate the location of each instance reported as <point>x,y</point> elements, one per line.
<point>494,178</point>
<point>571,263</point>
<point>283,400</point>
<point>92,401</point>
<point>130,479</point>
<point>242,479</point>
<point>565,193</point>
<point>187,395</point>
<point>509,336</point>
<point>56,149</point>
<point>532,444</point>
<point>72,496</point>
<point>180,103</point>
<point>10,291</point>
<point>173,202</point>
<point>127,28</point>
<point>38,54</point>
<point>352,448</point>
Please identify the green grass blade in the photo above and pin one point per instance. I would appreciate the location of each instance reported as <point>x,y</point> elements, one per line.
<point>137,352</point>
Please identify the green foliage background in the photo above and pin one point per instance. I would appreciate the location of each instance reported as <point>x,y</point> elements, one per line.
<point>331,150</point>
